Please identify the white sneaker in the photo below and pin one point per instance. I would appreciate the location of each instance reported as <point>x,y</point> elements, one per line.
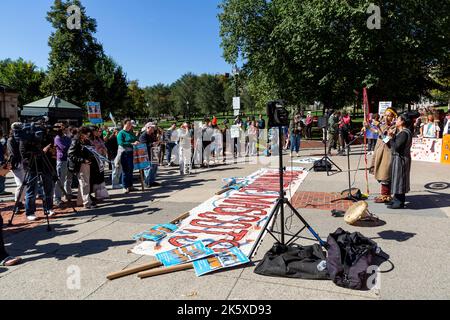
<point>32,218</point>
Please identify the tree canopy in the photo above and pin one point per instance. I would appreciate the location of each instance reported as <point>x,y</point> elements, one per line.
<point>322,50</point>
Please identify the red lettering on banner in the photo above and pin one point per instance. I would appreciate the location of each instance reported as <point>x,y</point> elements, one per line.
<point>175,241</point>
<point>221,242</point>
<point>235,236</point>
<point>220,224</point>
<point>239,217</point>
<point>235,210</point>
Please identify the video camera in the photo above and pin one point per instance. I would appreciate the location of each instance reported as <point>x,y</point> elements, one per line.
<point>278,114</point>
<point>33,132</point>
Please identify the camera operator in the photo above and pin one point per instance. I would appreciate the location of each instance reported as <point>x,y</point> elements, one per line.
<point>15,159</point>
<point>31,149</point>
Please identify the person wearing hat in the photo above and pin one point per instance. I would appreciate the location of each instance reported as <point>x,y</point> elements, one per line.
<point>382,157</point>
<point>126,139</point>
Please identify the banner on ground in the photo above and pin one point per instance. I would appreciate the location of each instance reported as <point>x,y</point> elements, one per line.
<point>140,157</point>
<point>156,233</point>
<point>225,259</point>
<point>94,112</point>
<point>426,149</point>
<point>184,254</point>
<point>233,219</point>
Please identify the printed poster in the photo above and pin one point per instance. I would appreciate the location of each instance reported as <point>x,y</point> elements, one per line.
<point>156,233</point>
<point>185,254</point>
<point>140,157</point>
<point>445,157</point>
<point>426,149</point>
<point>221,260</point>
<point>94,112</point>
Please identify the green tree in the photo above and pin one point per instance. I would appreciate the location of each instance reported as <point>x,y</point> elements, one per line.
<point>158,98</point>
<point>24,77</point>
<point>319,50</point>
<point>74,57</point>
<point>184,96</point>
<point>136,103</point>
<point>210,98</point>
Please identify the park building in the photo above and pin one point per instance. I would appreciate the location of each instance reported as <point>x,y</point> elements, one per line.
<point>8,107</point>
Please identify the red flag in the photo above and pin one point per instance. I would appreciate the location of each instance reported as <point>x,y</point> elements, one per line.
<point>366,119</point>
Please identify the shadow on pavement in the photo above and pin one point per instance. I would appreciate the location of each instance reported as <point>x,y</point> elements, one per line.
<point>428,201</point>
<point>399,236</point>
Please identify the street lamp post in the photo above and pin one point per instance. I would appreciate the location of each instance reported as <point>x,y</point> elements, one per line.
<point>189,111</point>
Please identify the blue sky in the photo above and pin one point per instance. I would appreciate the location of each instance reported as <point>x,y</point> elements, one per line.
<point>154,40</point>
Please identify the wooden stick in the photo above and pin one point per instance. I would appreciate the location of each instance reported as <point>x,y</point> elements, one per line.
<point>180,218</point>
<point>142,179</point>
<point>223,191</point>
<point>160,271</point>
<point>126,272</point>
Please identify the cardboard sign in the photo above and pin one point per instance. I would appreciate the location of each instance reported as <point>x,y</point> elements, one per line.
<point>221,260</point>
<point>235,132</point>
<point>426,149</point>
<point>185,254</point>
<point>140,157</point>
<point>236,103</point>
<point>94,112</point>
<point>445,157</point>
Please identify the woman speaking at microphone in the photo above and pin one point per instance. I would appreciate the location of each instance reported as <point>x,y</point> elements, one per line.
<point>401,161</point>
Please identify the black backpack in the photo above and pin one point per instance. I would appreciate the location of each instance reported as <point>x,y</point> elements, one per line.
<point>294,261</point>
<point>322,165</point>
<point>349,257</point>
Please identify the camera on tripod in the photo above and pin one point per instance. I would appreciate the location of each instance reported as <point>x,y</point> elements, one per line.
<point>278,114</point>
<point>33,132</point>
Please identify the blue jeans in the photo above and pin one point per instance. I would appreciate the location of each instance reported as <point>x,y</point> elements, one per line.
<point>150,175</point>
<point>170,147</point>
<point>2,184</point>
<point>116,177</point>
<point>295,143</point>
<point>127,169</point>
<point>32,186</point>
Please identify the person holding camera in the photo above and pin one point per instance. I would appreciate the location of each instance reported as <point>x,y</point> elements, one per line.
<point>15,159</point>
<point>80,164</point>
<point>36,163</point>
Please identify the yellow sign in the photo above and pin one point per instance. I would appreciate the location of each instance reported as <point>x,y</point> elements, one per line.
<point>445,157</point>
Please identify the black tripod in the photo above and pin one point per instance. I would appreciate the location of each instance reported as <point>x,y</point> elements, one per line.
<point>349,194</point>
<point>35,157</point>
<point>279,209</point>
<point>326,158</point>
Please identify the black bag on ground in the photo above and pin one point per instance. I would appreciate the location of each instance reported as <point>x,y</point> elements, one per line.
<point>294,261</point>
<point>322,165</point>
<point>349,257</point>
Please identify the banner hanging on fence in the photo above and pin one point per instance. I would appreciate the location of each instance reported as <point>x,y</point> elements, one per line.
<point>140,157</point>
<point>233,219</point>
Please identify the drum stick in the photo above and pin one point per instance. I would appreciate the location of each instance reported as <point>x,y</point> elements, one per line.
<point>127,272</point>
<point>160,271</point>
<point>223,191</point>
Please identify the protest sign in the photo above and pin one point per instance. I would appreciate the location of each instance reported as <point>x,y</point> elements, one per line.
<point>225,259</point>
<point>235,132</point>
<point>156,233</point>
<point>445,157</point>
<point>383,106</point>
<point>94,112</point>
<point>184,254</point>
<point>426,149</point>
<point>140,157</point>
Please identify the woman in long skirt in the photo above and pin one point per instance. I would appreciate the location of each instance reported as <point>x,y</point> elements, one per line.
<point>401,161</point>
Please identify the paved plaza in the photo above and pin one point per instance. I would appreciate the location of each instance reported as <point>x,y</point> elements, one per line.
<point>96,242</point>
